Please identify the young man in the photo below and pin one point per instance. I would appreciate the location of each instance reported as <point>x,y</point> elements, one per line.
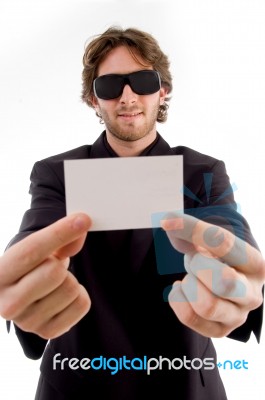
<point>93,304</point>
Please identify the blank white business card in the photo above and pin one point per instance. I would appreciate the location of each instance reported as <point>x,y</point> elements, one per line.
<point>124,192</point>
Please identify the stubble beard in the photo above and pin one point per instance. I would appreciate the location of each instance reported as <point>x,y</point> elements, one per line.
<point>130,132</point>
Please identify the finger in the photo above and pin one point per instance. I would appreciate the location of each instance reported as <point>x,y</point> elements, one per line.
<point>185,312</point>
<point>70,249</point>
<point>66,319</point>
<point>57,238</point>
<point>215,241</point>
<point>41,312</point>
<point>210,307</point>
<point>183,246</point>
<point>219,278</point>
<point>37,284</point>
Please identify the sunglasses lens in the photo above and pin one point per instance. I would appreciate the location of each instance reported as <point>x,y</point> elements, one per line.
<point>145,82</point>
<point>110,86</point>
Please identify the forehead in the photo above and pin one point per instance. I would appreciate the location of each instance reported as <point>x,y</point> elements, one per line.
<point>121,61</point>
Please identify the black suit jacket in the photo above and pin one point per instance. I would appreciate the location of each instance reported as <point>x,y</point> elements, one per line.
<point>128,275</point>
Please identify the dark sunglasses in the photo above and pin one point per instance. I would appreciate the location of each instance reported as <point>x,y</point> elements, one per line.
<point>111,86</point>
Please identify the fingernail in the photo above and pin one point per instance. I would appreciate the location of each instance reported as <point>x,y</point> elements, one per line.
<point>213,237</point>
<point>79,223</point>
<point>176,294</point>
<point>172,224</point>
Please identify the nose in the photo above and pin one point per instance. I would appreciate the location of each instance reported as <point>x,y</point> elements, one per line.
<point>128,96</point>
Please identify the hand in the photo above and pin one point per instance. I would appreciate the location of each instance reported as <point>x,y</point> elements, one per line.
<point>37,292</point>
<point>224,280</point>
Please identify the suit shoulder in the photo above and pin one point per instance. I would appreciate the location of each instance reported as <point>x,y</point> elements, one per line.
<point>192,156</point>
<point>76,153</point>
<point>54,165</point>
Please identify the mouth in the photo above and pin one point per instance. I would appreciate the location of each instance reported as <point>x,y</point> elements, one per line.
<point>129,115</point>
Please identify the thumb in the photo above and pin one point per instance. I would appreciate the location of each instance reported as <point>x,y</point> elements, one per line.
<point>70,249</point>
<point>178,231</point>
<point>62,239</point>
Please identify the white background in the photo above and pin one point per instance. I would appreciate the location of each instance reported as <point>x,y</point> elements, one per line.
<point>217,53</point>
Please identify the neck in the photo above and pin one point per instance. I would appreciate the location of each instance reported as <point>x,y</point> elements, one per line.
<point>129,148</point>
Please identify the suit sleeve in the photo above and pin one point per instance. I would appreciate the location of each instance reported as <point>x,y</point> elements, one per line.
<point>47,206</point>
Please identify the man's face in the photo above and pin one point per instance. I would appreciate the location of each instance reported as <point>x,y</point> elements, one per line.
<point>131,116</point>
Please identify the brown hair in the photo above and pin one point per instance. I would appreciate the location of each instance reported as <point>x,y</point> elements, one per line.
<point>134,39</point>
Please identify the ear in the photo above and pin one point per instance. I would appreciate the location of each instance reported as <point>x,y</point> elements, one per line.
<point>163,94</point>
<point>94,101</point>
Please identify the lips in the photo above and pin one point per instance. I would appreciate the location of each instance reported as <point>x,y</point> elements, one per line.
<point>128,115</point>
